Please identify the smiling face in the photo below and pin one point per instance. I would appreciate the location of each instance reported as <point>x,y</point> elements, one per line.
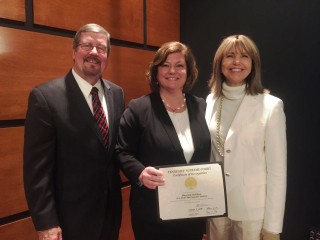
<point>172,74</point>
<point>236,66</point>
<point>90,64</point>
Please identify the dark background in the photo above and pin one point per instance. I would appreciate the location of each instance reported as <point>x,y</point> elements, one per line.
<point>287,33</point>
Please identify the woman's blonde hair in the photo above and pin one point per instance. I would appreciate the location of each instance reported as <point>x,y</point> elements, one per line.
<point>241,43</point>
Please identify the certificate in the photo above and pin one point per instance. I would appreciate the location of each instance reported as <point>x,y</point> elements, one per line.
<point>192,191</point>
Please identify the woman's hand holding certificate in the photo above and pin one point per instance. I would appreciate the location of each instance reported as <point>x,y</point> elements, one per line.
<point>151,178</point>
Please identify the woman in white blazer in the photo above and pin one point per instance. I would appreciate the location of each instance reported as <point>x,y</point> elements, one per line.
<point>248,132</point>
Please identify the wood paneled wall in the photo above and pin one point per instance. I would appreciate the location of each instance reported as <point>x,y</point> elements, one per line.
<point>122,18</point>
<point>36,46</point>
<point>13,9</point>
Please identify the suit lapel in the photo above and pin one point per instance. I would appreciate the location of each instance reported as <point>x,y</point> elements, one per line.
<point>165,120</point>
<point>196,126</point>
<point>78,101</point>
<point>243,114</point>
<point>210,106</point>
<point>192,118</point>
<point>110,105</point>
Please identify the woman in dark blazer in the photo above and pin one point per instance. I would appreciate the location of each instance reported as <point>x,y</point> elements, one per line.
<point>166,127</point>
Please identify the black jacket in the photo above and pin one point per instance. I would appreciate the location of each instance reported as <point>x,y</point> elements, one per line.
<point>70,177</point>
<point>147,137</point>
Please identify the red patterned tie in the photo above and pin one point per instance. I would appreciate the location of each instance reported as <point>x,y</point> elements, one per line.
<point>99,115</point>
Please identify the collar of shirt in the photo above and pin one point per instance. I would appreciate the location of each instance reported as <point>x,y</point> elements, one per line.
<point>86,87</point>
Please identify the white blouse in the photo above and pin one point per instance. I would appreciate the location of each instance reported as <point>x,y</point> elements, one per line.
<point>181,124</point>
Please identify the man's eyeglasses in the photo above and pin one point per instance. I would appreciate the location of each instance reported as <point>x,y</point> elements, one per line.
<point>89,47</point>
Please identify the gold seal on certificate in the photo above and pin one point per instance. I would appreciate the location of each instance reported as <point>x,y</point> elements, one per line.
<point>192,191</point>
<point>190,183</point>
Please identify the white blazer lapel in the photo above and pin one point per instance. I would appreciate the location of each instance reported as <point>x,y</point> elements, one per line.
<point>209,110</point>
<point>242,116</point>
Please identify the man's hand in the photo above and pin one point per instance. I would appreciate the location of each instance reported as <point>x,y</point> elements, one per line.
<point>51,234</point>
<point>151,178</point>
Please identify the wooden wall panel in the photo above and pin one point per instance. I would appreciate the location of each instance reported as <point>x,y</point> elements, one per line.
<point>163,21</point>
<point>126,232</point>
<point>19,230</point>
<point>124,179</point>
<point>12,199</point>
<point>127,68</point>
<point>122,18</point>
<point>33,59</point>
<point>27,59</point>
<point>13,10</point>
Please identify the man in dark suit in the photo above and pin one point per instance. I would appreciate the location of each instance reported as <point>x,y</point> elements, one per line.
<point>71,182</point>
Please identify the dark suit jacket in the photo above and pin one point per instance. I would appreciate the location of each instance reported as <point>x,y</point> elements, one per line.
<point>70,177</point>
<point>147,137</point>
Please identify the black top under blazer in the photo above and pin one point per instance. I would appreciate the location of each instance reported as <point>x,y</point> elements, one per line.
<point>147,137</point>
<point>70,177</point>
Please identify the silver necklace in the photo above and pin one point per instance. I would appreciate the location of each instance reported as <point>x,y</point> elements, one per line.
<point>220,143</point>
<point>175,109</point>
